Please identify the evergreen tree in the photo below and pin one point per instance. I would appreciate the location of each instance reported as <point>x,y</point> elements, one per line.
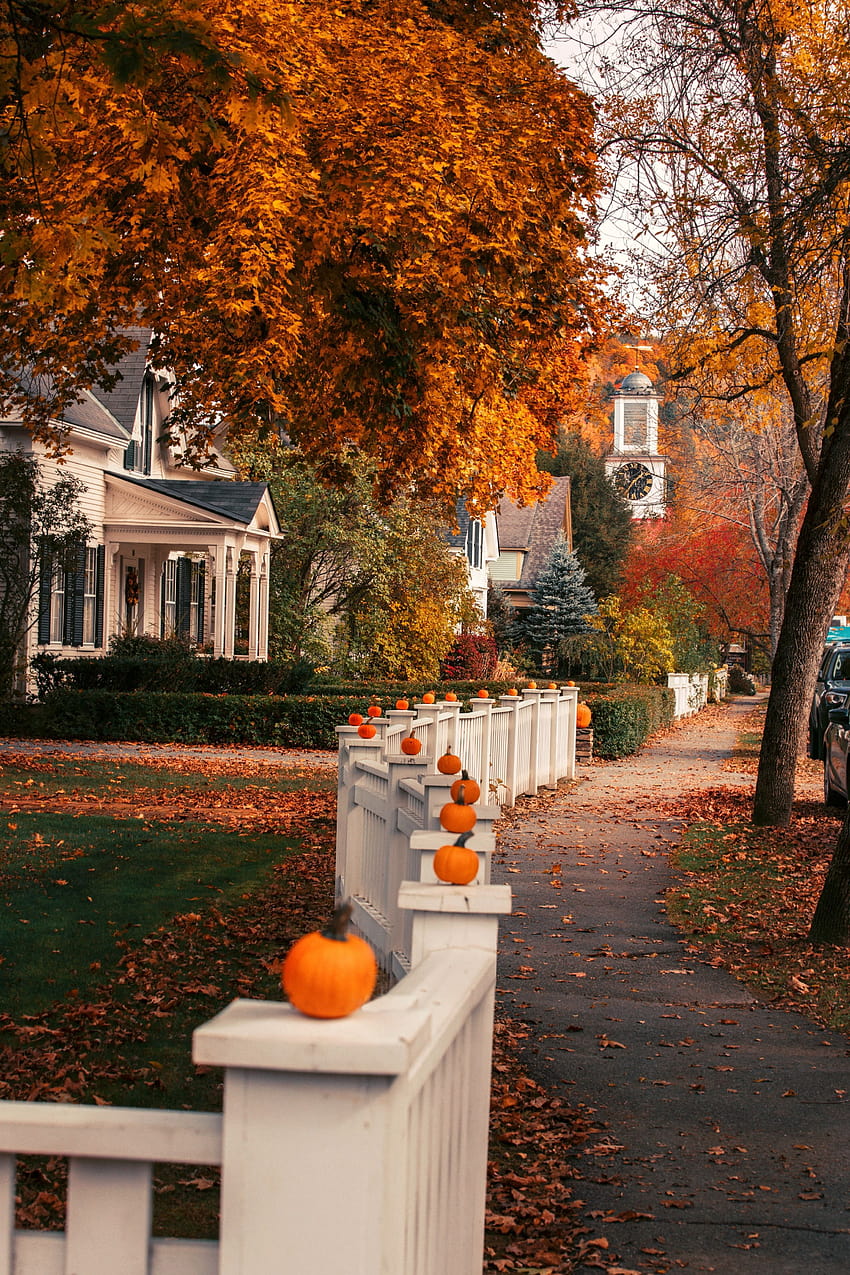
<point>560,604</point>
<point>602,521</point>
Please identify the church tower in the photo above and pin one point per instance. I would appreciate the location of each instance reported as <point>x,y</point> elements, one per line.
<point>637,470</point>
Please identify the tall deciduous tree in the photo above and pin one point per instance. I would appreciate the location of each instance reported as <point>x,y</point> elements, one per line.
<point>737,125</point>
<point>363,225</point>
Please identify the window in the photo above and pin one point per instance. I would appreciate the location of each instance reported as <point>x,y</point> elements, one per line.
<point>475,543</point>
<point>89,633</point>
<point>182,601</point>
<point>56,629</point>
<point>70,610</point>
<point>168,617</point>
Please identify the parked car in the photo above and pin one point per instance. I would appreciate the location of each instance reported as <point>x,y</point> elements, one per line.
<point>836,747</point>
<point>831,689</point>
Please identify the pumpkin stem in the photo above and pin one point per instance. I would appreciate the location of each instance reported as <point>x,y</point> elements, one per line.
<point>464,837</point>
<point>338,925</point>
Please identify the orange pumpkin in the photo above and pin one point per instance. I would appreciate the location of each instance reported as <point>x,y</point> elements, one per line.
<point>458,816</point>
<point>532,686</point>
<point>456,864</point>
<point>470,789</point>
<point>553,686</point>
<point>448,764</point>
<point>367,731</point>
<point>374,710</point>
<point>583,715</point>
<point>570,683</point>
<point>402,704</point>
<point>411,745</point>
<point>483,693</point>
<point>429,697</point>
<point>354,719</point>
<point>513,691</point>
<point>450,697</point>
<point>330,973</point>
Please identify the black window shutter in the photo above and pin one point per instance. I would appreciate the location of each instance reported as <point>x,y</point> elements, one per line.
<point>98,606</point>
<point>75,592</point>
<point>184,595</point>
<point>202,592</point>
<point>162,602</point>
<point>45,581</point>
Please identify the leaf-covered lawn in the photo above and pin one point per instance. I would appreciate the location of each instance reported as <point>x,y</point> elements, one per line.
<point>748,894</point>
<point>123,933</point>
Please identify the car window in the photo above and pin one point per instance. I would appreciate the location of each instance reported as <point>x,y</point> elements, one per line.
<point>841,667</point>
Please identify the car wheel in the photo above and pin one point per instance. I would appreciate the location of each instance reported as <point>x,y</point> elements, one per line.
<point>831,796</point>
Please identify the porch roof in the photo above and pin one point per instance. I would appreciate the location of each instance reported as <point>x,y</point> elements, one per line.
<point>237,501</point>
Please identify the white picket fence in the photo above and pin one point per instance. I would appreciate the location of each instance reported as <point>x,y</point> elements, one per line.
<point>694,690</point>
<point>389,803</point>
<point>357,1144</point>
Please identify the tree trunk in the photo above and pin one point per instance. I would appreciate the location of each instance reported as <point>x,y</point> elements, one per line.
<point>819,568</point>
<point>831,921</point>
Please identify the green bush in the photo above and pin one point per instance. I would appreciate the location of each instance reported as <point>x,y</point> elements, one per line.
<point>740,682</point>
<point>623,716</point>
<point>626,715</point>
<point>170,666</point>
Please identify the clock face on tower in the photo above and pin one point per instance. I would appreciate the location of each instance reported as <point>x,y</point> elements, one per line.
<point>633,479</point>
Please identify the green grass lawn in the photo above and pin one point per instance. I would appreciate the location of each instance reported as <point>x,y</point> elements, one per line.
<point>76,890</point>
<point>119,935</point>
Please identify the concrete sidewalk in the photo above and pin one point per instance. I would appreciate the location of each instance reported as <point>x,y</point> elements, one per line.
<point>726,1144</point>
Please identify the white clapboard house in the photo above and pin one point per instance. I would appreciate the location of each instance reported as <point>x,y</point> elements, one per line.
<point>173,551</point>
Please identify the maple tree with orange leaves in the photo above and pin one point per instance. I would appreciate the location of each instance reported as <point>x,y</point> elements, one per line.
<point>362,226</point>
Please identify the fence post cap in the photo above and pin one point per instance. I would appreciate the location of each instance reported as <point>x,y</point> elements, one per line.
<point>376,1040</point>
<point>479,900</point>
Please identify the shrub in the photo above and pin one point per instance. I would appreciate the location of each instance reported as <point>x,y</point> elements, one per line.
<point>625,717</point>
<point>168,666</point>
<point>474,655</point>
<point>740,682</point>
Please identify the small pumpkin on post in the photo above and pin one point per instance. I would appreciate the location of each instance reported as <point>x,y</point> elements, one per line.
<point>471,789</point>
<point>330,973</point>
<point>456,863</point>
<point>410,745</point>
<point>458,815</point>
<point>449,763</point>
<point>583,715</point>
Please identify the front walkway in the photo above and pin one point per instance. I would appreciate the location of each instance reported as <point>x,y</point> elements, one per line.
<point>727,1143</point>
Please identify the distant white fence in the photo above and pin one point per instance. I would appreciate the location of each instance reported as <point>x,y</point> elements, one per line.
<point>356,1145</point>
<point>694,690</point>
<point>389,803</point>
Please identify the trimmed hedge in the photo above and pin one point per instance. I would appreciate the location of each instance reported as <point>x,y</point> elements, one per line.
<point>625,716</point>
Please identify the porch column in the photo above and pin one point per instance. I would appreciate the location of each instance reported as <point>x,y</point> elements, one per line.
<point>253,609</point>
<point>111,592</point>
<point>229,600</point>
<point>263,609</point>
<point>220,554</point>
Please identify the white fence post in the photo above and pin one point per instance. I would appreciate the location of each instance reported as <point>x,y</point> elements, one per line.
<point>349,1144</point>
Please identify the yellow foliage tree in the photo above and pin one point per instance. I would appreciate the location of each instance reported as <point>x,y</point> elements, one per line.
<point>635,645</point>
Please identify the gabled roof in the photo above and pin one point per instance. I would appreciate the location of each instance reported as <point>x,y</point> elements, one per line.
<point>123,401</point>
<point>534,529</point>
<point>457,539</point>
<point>89,413</point>
<point>236,501</point>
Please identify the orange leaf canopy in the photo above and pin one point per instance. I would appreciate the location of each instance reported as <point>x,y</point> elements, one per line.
<point>361,225</point>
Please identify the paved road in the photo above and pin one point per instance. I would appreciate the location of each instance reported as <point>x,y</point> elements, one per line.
<point>726,1141</point>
